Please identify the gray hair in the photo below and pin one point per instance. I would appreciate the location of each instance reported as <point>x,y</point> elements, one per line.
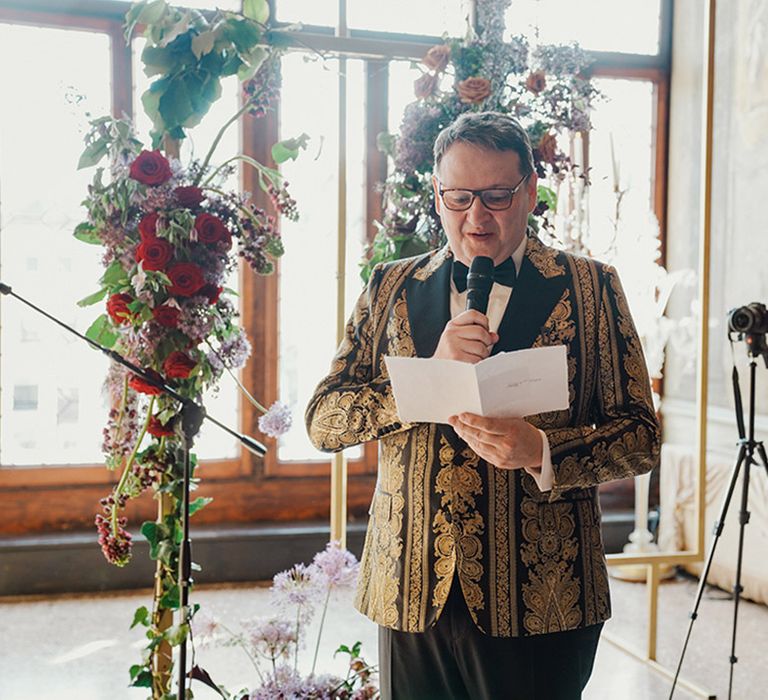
<point>491,130</point>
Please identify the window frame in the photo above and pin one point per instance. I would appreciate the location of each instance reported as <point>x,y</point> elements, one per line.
<point>31,497</point>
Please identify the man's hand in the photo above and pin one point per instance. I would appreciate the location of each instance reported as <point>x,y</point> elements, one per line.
<point>507,443</point>
<point>466,338</point>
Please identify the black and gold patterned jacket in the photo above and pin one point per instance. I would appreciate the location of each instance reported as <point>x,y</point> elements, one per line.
<point>528,562</point>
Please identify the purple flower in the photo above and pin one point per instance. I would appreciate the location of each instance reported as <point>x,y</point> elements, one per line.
<point>276,421</point>
<point>272,639</point>
<point>296,586</point>
<point>338,566</point>
<point>205,628</point>
<point>287,684</point>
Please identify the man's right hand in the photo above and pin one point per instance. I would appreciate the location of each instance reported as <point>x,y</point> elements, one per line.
<point>466,338</point>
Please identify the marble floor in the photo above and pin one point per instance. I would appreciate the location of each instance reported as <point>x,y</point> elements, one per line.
<point>80,647</point>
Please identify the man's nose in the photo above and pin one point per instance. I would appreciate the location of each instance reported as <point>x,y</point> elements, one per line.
<point>478,211</point>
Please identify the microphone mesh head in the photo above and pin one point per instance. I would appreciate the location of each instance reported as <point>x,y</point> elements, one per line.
<point>480,271</point>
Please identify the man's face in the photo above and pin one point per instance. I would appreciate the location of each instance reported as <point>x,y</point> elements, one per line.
<point>479,230</point>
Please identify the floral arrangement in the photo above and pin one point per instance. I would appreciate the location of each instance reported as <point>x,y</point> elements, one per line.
<point>171,235</point>
<point>272,644</point>
<point>544,86</point>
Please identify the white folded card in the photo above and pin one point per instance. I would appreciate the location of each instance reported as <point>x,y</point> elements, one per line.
<point>510,384</point>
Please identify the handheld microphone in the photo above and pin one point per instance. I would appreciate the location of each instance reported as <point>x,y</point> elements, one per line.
<point>479,283</point>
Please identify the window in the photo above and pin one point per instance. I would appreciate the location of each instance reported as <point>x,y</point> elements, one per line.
<point>52,412</point>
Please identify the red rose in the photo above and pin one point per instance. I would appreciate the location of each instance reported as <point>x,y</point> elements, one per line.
<point>148,226</point>
<point>155,253</point>
<point>186,279</point>
<point>209,228</point>
<point>143,387</point>
<point>212,292</point>
<point>156,428</point>
<point>225,241</point>
<point>151,168</point>
<point>167,316</point>
<point>117,308</point>
<point>178,365</point>
<point>189,197</point>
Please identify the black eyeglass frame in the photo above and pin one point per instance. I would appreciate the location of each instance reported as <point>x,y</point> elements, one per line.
<point>479,193</point>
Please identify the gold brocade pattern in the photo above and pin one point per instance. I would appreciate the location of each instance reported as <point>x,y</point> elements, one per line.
<point>458,524</point>
<point>543,258</point>
<point>501,613</point>
<point>417,533</point>
<point>399,331</point>
<point>549,551</point>
<point>424,273</point>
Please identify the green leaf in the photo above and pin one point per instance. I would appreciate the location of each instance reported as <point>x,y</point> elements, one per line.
<point>243,33</point>
<point>93,298</point>
<point>143,679</point>
<point>198,504</point>
<point>153,534</point>
<point>548,196</point>
<point>114,275</point>
<point>93,153</point>
<point>289,148</point>
<point>202,44</point>
<point>170,600</point>
<point>87,233</point>
<point>101,331</point>
<point>140,617</point>
<point>257,10</point>
<point>385,142</point>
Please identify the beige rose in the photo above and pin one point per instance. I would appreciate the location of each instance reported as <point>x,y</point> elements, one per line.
<point>425,86</point>
<point>536,82</point>
<point>437,58</point>
<point>474,90</point>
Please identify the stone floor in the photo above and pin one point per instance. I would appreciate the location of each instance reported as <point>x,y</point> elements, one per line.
<point>80,647</point>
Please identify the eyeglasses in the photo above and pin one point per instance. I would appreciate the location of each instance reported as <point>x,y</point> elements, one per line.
<point>494,198</point>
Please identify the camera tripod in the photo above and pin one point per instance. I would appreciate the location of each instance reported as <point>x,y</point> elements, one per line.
<point>748,447</point>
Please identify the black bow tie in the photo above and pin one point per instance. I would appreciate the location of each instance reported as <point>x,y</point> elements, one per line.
<point>505,274</point>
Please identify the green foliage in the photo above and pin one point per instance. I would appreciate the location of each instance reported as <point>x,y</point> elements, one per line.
<point>190,55</point>
<point>93,298</point>
<point>102,332</point>
<point>141,617</point>
<point>87,233</point>
<point>289,148</point>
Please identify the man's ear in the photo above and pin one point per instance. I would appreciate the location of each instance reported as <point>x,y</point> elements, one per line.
<point>531,191</point>
<point>436,190</point>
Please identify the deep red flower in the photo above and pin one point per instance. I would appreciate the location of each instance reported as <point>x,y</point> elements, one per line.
<point>209,228</point>
<point>189,196</point>
<point>212,292</point>
<point>167,316</point>
<point>155,253</point>
<point>138,384</point>
<point>156,428</point>
<point>148,226</point>
<point>178,365</point>
<point>186,279</point>
<point>117,308</point>
<point>151,168</point>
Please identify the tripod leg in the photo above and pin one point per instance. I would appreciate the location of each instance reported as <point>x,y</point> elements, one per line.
<point>763,457</point>
<point>719,523</point>
<point>737,589</point>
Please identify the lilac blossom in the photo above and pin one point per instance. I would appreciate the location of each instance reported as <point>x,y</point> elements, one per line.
<point>276,421</point>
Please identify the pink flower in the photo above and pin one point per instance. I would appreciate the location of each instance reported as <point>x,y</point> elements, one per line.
<point>338,566</point>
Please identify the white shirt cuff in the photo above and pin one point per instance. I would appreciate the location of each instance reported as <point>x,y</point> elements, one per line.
<point>543,475</point>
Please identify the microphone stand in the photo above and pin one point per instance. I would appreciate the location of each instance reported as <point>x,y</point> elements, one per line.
<point>192,416</point>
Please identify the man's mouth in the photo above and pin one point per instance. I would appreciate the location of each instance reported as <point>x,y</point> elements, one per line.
<point>478,234</point>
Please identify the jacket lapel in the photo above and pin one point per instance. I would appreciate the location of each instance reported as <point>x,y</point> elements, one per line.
<point>428,299</point>
<point>540,284</point>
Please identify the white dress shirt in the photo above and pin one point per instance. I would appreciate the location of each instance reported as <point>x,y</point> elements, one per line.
<point>497,304</point>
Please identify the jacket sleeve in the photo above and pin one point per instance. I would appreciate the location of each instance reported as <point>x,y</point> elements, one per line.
<point>623,437</point>
<point>352,405</point>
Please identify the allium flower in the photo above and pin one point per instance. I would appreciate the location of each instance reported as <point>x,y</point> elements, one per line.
<point>205,628</point>
<point>276,421</point>
<point>296,586</point>
<point>287,684</point>
<point>338,566</point>
<point>272,639</point>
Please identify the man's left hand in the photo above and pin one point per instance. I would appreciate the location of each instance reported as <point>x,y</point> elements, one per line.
<point>507,443</point>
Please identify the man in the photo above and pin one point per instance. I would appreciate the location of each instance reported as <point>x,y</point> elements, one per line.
<point>483,562</point>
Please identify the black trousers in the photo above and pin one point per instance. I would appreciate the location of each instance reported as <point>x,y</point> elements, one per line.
<point>455,661</point>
